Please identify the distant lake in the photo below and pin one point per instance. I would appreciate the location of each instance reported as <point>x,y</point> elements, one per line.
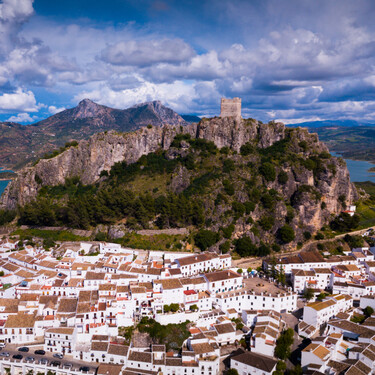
<point>3,184</point>
<point>358,169</point>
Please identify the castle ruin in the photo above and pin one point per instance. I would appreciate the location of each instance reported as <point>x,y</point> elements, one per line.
<point>230,107</point>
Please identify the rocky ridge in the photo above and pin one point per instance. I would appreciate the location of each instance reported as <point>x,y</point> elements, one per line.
<point>20,144</point>
<point>89,158</point>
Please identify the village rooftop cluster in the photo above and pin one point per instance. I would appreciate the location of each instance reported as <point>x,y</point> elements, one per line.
<point>77,305</point>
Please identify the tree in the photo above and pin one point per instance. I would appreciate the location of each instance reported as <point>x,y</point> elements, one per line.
<point>244,247</point>
<point>368,311</point>
<point>281,278</point>
<point>239,271</point>
<point>297,370</point>
<point>267,222</point>
<point>224,247</point>
<point>354,241</point>
<point>232,371</point>
<point>283,344</point>
<point>205,238</point>
<point>345,223</point>
<point>308,294</point>
<point>267,170</point>
<point>280,368</point>
<point>282,178</point>
<point>193,308</point>
<point>286,234</point>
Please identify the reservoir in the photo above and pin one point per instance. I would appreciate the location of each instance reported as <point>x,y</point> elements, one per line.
<point>358,169</point>
<point>3,184</point>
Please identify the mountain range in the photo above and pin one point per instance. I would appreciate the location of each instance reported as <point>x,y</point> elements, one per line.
<point>331,123</point>
<point>20,144</point>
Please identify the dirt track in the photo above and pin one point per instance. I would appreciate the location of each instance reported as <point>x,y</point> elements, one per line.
<point>254,262</point>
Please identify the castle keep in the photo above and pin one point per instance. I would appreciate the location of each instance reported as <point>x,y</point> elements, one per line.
<point>230,107</point>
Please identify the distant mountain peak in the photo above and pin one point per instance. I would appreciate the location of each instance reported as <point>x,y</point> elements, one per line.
<point>153,103</point>
<point>86,101</point>
<point>86,108</point>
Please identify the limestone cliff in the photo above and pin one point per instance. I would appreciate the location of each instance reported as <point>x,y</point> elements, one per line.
<point>314,192</point>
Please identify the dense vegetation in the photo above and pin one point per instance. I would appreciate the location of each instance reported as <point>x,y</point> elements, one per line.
<point>171,335</point>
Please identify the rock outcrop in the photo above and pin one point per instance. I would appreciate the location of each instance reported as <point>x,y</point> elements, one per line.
<point>103,150</point>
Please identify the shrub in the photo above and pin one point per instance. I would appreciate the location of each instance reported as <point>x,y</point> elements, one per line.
<point>345,223</point>
<point>228,187</point>
<point>246,149</point>
<point>244,247</point>
<point>319,236</point>
<point>307,235</point>
<point>227,231</point>
<point>249,207</point>
<point>228,165</point>
<point>267,222</point>
<point>286,234</point>
<point>268,201</point>
<point>282,178</point>
<point>205,239</point>
<point>238,208</point>
<point>267,170</point>
<point>101,236</point>
<point>225,150</point>
<point>224,247</point>
<point>38,180</point>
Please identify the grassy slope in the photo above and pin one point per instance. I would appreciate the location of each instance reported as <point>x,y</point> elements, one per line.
<point>366,208</point>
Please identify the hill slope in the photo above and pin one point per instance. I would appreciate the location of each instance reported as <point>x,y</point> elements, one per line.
<point>21,144</point>
<point>235,178</point>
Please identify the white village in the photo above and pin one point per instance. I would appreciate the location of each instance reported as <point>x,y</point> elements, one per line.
<point>68,314</point>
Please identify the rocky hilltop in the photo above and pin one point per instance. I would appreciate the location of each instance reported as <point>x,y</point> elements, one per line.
<point>255,176</point>
<point>20,144</point>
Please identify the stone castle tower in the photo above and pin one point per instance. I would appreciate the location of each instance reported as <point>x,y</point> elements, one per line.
<point>230,107</point>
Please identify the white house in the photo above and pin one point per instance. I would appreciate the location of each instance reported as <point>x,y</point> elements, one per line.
<point>253,363</point>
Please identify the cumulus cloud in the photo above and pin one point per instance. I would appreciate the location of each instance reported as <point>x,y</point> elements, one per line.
<point>147,52</point>
<point>23,118</point>
<point>18,101</point>
<point>178,95</point>
<point>290,62</point>
<point>53,110</point>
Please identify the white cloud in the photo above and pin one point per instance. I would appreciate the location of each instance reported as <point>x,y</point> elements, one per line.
<point>178,95</point>
<point>147,52</point>
<point>16,9</point>
<point>53,110</point>
<point>23,118</point>
<point>18,101</point>
<point>299,120</point>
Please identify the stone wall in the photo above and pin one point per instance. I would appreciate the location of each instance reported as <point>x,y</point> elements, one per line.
<point>230,107</point>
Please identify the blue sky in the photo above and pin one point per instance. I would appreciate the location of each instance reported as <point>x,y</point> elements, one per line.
<point>289,60</point>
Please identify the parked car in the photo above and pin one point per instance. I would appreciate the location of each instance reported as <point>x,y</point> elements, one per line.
<point>58,355</point>
<point>43,361</point>
<point>68,365</point>
<point>40,352</point>
<point>23,349</point>
<point>29,359</point>
<point>4,354</point>
<point>55,363</point>
<point>84,369</point>
<point>17,356</point>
